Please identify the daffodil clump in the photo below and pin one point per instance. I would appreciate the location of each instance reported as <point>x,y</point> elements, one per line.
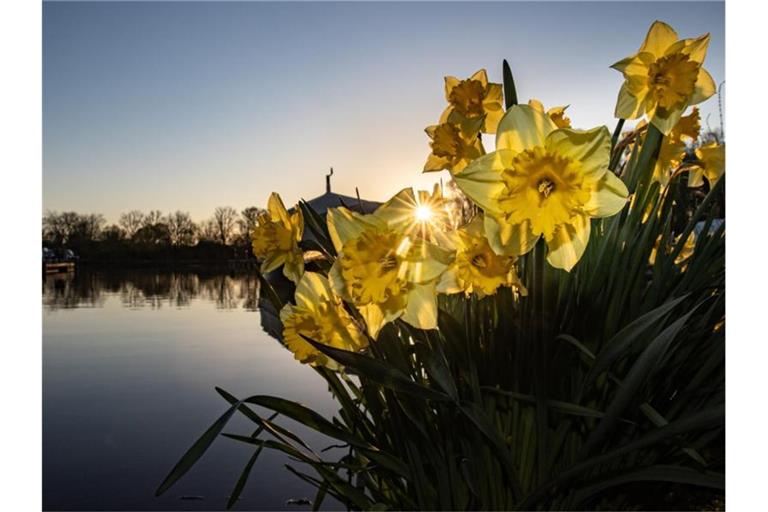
<point>546,183</point>
<point>546,333</point>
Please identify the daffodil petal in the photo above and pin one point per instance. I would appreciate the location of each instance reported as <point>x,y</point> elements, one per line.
<point>297,221</point>
<point>374,318</point>
<point>696,177</point>
<point>509,239</point>
<point>494,96</point>
<point>311,289</point>
<point>666,121</point>
<point>695,48</point>
<point>421,311</point>
<point>523,127</point>
<point>436,163</point>
<point>591,148</point>
<point>481,76</point>
<point>336,280</point>
<point>448,282</point>
<point>705,87</point>
<point>492,119</point>
<point>608,197</point>
<point>277,209</point>
<point>635,65</point>
<point>271,262</point>
<point>446,114</point>
<point>481,180</point>
<point>399,210</point>
<point>536,104</point>
<point>450,83</point>
<point>660,37</point>
<point>344,225</point>
<point>425,262</point>
<point>568,244</point>
<point>629,106</point>
<point>293,269</point>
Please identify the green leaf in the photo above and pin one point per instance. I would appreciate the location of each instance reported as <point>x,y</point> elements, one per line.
<point>713,417</point>
<point>622,342</point>
<point>196,451</point>
<point>477,416</point>
<point>379,372</point>
<point>241,481</point>
<point>510,93</point>
<point>630,387</point>
<point>240,484</point>
<point>660,473</point>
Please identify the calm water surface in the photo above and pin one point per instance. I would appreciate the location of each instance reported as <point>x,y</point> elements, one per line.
<point>130,362</point>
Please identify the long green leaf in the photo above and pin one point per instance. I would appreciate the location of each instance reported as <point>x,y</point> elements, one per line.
<point>510,93</point>
<point>619,345</point>
<point>660,473</point>
<point>379,372</point>
<point>195,451</point>
<point>628,391</point>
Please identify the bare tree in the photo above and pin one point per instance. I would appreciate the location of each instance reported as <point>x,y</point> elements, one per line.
<point>53,231</point>
<point>153,217</point>
<point>112,233</point>
<point>181,228</point>
<point>131,222</point>
<point>248,218</point>
<point>89,226</point>
<point>225,218</point>
<point>208,231</point>
<point>71,227</point>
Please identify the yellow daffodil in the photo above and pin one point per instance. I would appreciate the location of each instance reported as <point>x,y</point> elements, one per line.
<point>276,237</point>
<point>664,77</point>
<point>710,165</point>
<point>543,181</point>
<point>477,269</point>
<point>682,258</point>
<point>672,149</point>
<point>557,114</point>
<point>320,316</point>
<point>474,103</point>
<point>452,150</point>
<point>384,271</point>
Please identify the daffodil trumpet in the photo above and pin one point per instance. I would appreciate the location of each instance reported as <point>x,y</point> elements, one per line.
<point>319,315</point>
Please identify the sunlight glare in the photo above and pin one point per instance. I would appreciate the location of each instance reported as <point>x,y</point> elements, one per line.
<point>423,213</point>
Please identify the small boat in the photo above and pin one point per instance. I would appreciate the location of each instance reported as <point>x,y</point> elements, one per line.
<point>55,262</point>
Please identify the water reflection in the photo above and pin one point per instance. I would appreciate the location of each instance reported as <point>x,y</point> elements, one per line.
<point>130,361</point>
<point>150,289</point>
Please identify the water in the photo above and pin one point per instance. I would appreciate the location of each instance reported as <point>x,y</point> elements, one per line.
<point>130,362</point>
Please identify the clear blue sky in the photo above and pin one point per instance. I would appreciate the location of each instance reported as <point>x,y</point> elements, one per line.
<point>195,105</point>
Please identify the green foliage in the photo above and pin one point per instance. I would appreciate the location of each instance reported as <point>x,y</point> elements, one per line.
<point>598,380</point>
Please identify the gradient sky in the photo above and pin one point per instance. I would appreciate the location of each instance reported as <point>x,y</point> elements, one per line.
<point>190,106</point>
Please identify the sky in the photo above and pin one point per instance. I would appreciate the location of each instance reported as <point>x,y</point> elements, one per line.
<point>190,106</point>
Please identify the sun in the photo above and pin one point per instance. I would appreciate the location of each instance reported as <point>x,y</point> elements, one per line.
<point>423,213</point>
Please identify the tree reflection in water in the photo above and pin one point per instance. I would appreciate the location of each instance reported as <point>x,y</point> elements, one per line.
<point>150,289</point>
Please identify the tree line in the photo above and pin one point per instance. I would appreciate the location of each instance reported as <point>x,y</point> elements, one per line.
<point>152,235</point>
